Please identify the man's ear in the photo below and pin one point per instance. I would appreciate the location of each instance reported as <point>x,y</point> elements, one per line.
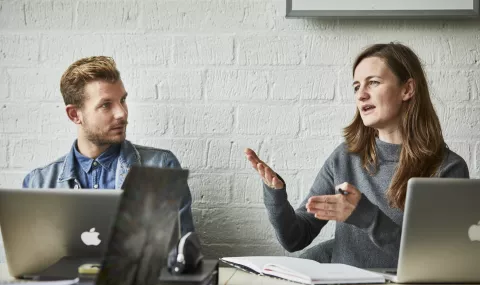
<point>409,90</point>
<point>74,114</point>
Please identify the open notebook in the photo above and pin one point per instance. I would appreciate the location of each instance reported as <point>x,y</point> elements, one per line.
<point>303,270</point>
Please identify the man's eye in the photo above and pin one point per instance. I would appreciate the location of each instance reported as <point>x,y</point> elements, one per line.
<point>373,82</point>
<point>124,100</point>
<point>105,105</point>
<point>355,88</point>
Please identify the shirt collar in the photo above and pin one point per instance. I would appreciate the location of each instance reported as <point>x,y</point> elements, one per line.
<point>108,156</point>
<point>105,159</point>
<point>128,155</point>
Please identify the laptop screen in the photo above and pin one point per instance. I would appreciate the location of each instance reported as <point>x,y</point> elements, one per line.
<point>146,226</point>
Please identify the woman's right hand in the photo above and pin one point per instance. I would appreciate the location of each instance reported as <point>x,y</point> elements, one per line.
<point>269,176</point>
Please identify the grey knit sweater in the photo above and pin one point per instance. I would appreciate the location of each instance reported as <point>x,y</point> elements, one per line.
<point>370,237</point>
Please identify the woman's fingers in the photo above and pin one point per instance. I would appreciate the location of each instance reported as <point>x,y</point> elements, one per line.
<point>326,215</point>
<point>268,175</point>
<point>323,205</point>
<point>277,183</point>
<point>261,169</point>
<point>252,157</point>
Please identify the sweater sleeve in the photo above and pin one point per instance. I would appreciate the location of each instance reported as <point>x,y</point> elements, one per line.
<point>296,229</point>
<point>382,230</point>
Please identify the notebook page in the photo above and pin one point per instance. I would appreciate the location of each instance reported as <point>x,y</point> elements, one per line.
<point>320,273</point>
<point>286,273</point>
<point>255,263</point>
<point>341,273</point>
<point>307,271</point>
<point>279,266</point>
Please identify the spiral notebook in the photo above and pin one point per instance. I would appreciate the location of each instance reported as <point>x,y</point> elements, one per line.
<point>303,271</point>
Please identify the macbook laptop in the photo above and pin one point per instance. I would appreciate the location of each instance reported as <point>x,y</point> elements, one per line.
<point>146,231</point>
<point>42,226</point>
<point>440,240</point>
<point>146,227</point>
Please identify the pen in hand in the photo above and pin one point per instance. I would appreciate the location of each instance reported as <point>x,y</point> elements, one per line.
<point>343,192</point>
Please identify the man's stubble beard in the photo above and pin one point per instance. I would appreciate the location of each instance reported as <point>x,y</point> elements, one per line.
<point>101,138</point>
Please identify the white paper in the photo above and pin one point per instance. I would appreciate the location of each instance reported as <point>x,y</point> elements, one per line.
<point>307,271</point>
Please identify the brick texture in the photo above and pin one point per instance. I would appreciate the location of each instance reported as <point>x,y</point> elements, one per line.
<point>207,79</point>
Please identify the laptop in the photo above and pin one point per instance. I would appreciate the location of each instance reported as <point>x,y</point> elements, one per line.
<point>42,227</point>
<point>146,234</point>
<point>440,239</point>
<point>146,227</point>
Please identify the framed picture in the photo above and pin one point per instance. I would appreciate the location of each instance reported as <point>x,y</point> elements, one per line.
<point>439,9</point>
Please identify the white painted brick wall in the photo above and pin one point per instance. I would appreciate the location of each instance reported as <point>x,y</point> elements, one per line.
<point>206,79</point>
<point>43,84</point>
<point>268,120</point>
<point>304,84</point>
<point>203,50</point>
<point>4,151</point>
<point>236,85</point>
<point>270,50</point>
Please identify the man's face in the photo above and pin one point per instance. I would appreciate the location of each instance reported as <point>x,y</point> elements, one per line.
<point>104,113</point>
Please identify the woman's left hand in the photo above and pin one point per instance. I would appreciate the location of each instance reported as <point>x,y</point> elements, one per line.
<point>336,207</point>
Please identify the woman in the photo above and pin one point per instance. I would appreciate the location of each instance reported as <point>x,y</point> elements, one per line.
<point>394,136</point>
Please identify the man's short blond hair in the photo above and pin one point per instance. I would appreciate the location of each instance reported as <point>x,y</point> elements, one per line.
<point>84,71</point>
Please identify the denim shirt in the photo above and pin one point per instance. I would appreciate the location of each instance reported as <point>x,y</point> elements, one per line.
<point>98,173</point>
<point>61,173</point>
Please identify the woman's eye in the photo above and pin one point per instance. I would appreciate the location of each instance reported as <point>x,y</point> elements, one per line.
<point>373,82</point>
<point>355,89</point>
<point>106,105</point>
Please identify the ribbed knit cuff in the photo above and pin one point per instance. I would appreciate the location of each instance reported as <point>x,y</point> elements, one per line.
<point>272,196</point>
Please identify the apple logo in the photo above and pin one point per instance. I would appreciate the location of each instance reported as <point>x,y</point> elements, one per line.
<point>474,232</point>
<point>90,237</point>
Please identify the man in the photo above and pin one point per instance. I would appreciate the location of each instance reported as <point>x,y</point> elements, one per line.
<point>100,157</point>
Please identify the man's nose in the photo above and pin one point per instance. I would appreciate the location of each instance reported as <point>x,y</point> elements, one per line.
<point>121,112</point>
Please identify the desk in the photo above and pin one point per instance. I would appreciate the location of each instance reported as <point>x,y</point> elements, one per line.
<point>227,276</point>
<point>233,276</point>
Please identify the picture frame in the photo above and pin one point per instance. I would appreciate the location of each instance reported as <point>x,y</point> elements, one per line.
<point>388,9</point>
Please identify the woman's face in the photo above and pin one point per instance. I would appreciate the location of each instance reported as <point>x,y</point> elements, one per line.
<point>379,95</point>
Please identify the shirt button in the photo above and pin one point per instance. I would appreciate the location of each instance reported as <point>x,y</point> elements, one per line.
<point>95,163</point>
<point>95,186</point>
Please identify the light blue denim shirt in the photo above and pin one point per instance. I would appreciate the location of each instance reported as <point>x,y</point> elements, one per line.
<point>98,173</point>
<point>61,173</point>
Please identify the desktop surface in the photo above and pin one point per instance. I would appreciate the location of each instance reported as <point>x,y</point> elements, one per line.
<point>227,276</point>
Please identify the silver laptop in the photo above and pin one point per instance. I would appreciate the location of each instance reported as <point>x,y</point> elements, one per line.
<point>441,232</point>
<point>42,226</point>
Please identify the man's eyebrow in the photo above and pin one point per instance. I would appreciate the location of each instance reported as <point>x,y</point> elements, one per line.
<point>104,100</point>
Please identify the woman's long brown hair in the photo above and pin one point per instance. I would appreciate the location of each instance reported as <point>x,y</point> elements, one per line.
<point>423,146</point>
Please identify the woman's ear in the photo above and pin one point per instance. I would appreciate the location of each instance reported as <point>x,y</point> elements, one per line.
<point>73,114</point>
<point>409,89</point>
